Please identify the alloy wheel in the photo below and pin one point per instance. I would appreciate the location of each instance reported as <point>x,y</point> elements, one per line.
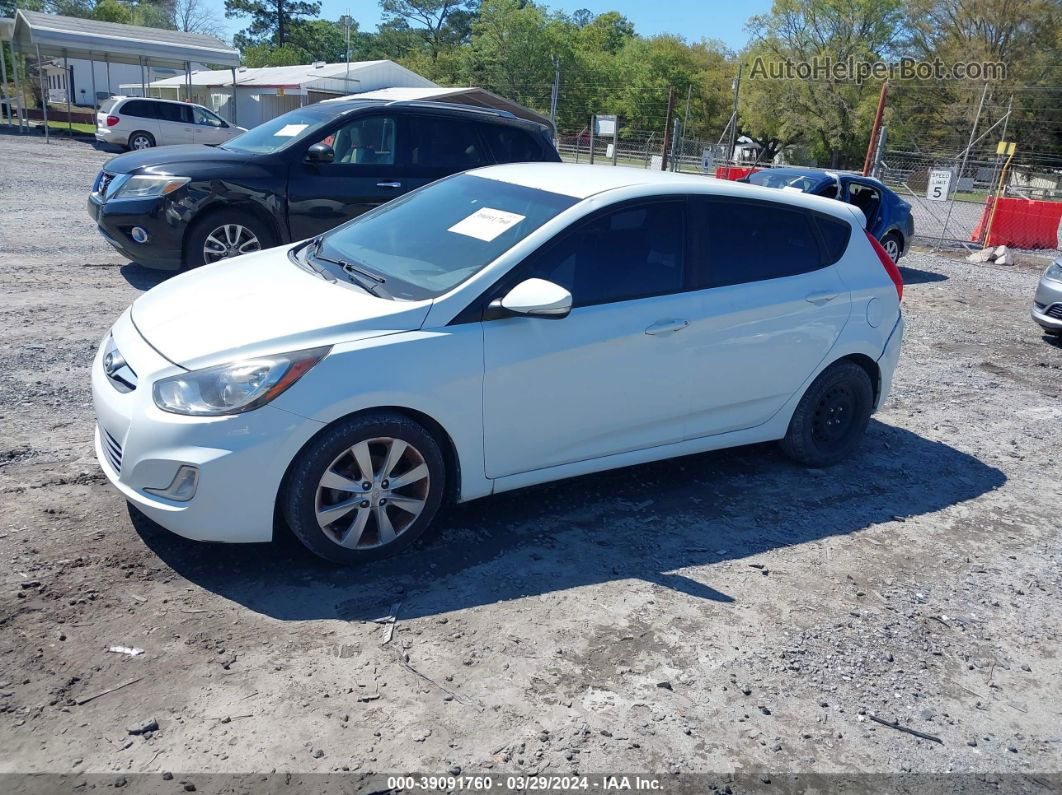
<point>372,492</point>
<point>892,248</point>
<point>229,240</point>
<point>141,142</point>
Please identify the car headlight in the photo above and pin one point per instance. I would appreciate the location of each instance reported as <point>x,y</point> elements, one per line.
<point>1054,271</point>
<point>149,186</point>
<point>236,387</point>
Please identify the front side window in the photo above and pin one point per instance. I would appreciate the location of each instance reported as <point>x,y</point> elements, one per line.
<point>630,253</point>
<point>430,240</point>
<point>368,141</point>
<point>206,118</point>
<point>737,241</point>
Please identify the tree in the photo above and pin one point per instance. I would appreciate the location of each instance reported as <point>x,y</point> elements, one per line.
<point>195,16</point>
<point>272,21</point>
<point>833,112</point>
<point>444,24</point>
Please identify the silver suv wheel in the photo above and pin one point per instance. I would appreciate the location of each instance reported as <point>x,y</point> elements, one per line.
<point>229,240</point>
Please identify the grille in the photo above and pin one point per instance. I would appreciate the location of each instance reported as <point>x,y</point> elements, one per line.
<point>1055,311</point>
<point>112,449</point>
<point>103,183</point>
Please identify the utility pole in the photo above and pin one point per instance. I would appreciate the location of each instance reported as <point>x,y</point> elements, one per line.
<point>346,86</point>
<point>733,129</point>
<point>685,121</point>
<point>868,161</point>
<point>555,93</point>
<point>973,132</point>
<point>667,127</point>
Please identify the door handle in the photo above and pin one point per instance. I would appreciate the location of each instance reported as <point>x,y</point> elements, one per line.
<point>820,298</point>
<point>662,327</point>
<point>388,184</point>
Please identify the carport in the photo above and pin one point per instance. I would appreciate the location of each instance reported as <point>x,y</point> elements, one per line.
<point>44,36</point>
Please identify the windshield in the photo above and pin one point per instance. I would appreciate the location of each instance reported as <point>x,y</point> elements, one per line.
<point>769,179</point>
<point>431,240</point>
<point>275,134</point>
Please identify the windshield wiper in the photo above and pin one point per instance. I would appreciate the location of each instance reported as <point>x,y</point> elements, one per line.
<point>365,279</point>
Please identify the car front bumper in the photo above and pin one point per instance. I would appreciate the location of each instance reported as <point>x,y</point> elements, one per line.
<point>116,218</point>
<point>1047,305</point>
<point>240,459</point>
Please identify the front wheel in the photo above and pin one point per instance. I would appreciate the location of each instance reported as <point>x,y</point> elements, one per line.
<point>365,488</point>
<point>831,418</point>
<point>223,235</point>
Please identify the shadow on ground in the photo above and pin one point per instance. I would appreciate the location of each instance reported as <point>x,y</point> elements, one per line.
<point>645,522</point>
<point>144,278</point>
<point>916,276</point>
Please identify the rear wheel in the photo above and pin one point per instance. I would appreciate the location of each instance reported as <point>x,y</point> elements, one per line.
<point>831,418</point>
<point>892,245</point>
<point>365,489</point>
<point>141,140</point>
<point>223,235</point>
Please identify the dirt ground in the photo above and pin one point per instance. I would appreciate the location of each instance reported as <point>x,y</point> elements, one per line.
<point>722,612</point>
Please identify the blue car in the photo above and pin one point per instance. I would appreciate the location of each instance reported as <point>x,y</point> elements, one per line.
<point>888,216</point>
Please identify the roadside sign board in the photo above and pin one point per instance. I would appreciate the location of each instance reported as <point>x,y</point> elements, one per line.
<point>604,126</point>
<point>939,185</point>
<point>707,161</point>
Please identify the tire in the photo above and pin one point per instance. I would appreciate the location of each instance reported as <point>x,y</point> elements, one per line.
<point>227,233</point>
<point>141,140</point>
<point>893,245</point>
<point>831,418</point>
<point>354,532</point>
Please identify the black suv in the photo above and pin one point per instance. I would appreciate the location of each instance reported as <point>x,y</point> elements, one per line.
<point>295,176</point>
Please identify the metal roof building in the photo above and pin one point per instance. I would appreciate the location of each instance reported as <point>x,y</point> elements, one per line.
<point>264,93</point>
<point>43,36</point>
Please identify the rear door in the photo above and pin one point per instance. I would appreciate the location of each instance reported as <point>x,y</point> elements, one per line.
<point>367,171</point>
<point>511,144</point>
<point>772,307</point>
<point>139,114</point>
<point>439,146</point>
<point>175,123</point>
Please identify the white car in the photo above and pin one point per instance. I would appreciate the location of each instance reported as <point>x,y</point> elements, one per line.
<point>139,123</point>
<point>496,329</point>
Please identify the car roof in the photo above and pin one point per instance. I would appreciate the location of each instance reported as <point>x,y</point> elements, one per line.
<point>584,181</point>
<point>343,106</point>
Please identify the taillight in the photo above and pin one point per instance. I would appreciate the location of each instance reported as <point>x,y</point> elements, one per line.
<point>887,263</point>
<point>112,120</point>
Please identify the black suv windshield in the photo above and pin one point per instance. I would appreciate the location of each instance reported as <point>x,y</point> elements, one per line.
<point>278,133</point>
<point>431,240</point>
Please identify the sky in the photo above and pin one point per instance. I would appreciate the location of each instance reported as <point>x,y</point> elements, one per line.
<point>693,19</point>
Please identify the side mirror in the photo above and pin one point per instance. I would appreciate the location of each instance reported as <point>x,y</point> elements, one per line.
<point>320,153</point>
<point>536,298</point>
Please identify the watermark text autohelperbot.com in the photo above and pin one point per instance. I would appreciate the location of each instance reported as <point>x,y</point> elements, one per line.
<point>852,69</point>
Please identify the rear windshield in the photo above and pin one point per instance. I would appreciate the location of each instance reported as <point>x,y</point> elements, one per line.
<point>431,240</point>
<point>278,133</point>
<point>107,104</point>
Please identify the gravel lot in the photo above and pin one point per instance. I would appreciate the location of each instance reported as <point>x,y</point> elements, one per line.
<point>720,613</point>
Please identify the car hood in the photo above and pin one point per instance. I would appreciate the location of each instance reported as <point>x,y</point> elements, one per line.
<point>170,159</point>
<point>261,304</point>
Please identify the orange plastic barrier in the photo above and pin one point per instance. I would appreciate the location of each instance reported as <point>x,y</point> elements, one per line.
<point>1021,223</point>
<point>733,172</point>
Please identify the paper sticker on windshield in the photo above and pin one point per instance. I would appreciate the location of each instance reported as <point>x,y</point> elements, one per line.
<point>486,223</point>
<point>290,130</point>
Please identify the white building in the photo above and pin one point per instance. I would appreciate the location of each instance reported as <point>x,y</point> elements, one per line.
<point>266,92</point>
<point>76,81</point>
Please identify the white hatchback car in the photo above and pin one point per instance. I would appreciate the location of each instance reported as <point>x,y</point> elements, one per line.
<point>499,328</point>
<point>139,123</point>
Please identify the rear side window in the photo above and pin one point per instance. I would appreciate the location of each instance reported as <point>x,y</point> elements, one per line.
<point>510,144</point>
<point>630,253</point>
<point>835,234</point>
<point>170,111</point>
<point>445,143</point>
<point>140,108</point>
<point>734,242</point>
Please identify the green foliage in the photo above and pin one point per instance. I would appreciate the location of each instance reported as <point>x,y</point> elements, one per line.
<point>271,21</point>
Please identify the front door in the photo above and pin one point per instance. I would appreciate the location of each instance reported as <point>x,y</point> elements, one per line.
<point>772,307</point>
<point>612,376</point>
<point>366,172</point>
<point>210,129</point>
